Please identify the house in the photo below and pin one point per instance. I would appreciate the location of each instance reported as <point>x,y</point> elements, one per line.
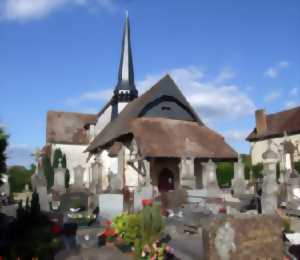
<point>282,127</point>
<point>155,138</point>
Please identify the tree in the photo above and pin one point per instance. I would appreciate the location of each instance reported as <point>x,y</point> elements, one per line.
<point>67,179</point>
<point>19,176</point>
<point>48,171</point>
<point>3,146</point>
<point>35,205</point>
<point>57,156</point>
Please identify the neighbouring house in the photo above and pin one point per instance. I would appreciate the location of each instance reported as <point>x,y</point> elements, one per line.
<point>279,128</point>
<point>154,138</point>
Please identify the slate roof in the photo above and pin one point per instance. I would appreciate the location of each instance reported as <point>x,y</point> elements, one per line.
<point>277,124</point>
<point>165,87</point>
<point>68,127</point>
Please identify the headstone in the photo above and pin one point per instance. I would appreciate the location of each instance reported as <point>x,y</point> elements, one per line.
<point>239,184</point>
<point>43,198</point>
<point>74,200</point>
<point>210,179</point>
<point>96,181</point>
<point>59,178</point>
<point>242,237</point>
<point>9,210</point>
<point>78,177</point>
<point>110,205</point>
<point>140,194</point>
<point>270,188</point>
<point>187,173</point>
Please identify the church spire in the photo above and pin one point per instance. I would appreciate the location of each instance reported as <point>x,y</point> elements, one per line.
<point>126,74</point>
<point>125,90</point>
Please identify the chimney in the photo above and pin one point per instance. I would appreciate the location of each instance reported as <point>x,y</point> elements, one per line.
<point>261,121</point>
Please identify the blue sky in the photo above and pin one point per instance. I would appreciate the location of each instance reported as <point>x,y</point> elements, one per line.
<point>228,57</point>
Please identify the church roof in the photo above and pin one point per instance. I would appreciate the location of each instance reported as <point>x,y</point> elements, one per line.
<point>68,127</point>
<point>285,121</point>
<point>160,136</point>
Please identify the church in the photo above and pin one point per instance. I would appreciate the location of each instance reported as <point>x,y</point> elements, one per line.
<point>156,138</point>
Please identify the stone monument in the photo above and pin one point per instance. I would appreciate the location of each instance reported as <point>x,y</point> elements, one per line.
<point>78,178</point>
<point>210,181</point>
<point>187,175</point>
<point>270,189</point>
<point>59,178</point>
<point>96,180</point>
<point>239,184</point>
<point>243,237</point>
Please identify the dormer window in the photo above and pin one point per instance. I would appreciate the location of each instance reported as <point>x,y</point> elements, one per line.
<point>165,108</point>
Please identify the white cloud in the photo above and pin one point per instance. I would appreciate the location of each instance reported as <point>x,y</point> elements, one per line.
<point>274,95</point>
<point>212,100</point>
<point>290,104</point>
<point>273,72</point>
<point>226,74</point>
<point>294,91</point>
<point>236,135</point>
<point>33,9</point>
<point>101,95</point>
<point>20,155</point>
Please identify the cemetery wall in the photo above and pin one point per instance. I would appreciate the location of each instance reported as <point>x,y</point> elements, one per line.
<point>260,147</point>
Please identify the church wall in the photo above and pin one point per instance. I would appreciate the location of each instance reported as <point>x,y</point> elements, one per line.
<point>103,120</point>
<point>121,106</point>
<point>259,147</point>
<point>75,155</point>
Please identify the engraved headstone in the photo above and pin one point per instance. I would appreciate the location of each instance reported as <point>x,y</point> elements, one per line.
<point>59,178</point>
<point>43,198</point>
<point>210,181</point>
<point>187,175</point>
<point>78,177</point>
<point>239,183</point>
<point>242,237</point>
<point>270,188</point>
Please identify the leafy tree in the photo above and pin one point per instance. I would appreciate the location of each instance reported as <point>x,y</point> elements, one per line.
<point>35,205</point>
<point>67,179</point>
<point>3,146</point>
<point>57,156</point>
<point>48,171</point>
<point>19,176</point>
<point>64,161</point>
<point>225,172</point>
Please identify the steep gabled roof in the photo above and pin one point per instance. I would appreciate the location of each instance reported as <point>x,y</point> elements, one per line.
<point>165,87</point>
<point>278,123</point>
<point>68,127</point>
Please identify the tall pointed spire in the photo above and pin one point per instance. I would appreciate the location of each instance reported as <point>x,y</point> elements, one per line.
<point>126,72</point>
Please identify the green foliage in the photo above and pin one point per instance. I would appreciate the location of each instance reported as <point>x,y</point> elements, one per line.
<point>19,176</point>
<point>67,179</point>
<point>57,155</point>
<point>48,171</point>
<point>257,170</point>
<point>297,166</point>
<point>140,229</point>
<point>225,172</point>
<point>35,206</point>
<point>3,146</point>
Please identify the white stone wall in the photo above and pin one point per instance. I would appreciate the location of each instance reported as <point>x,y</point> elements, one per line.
<point>121,106</point>
<point>258,148</point>
<point>103,120</point>
<point>75,155</point>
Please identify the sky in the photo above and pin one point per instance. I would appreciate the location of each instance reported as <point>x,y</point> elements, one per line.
<point>228,57</point>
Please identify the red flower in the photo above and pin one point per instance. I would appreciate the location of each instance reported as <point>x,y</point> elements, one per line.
<point>222,210</point>
<point>147,202</point>
<point>56,229</point>
<point>109,232</point>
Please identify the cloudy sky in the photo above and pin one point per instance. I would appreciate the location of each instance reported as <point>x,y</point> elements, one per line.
<point>228,57</point>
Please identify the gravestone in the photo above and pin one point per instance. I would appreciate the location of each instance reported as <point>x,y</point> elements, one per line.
<point>144,193</point>
<point>43,198</point>
<point>59,178</point>
<point>78,177</point>
<point>270,188</point>
<point>244,237</point>
<point>210,181</point>
<point>239,184</point>
<point>74,200</point>
<point>110,205</point>
<point>187,173</point>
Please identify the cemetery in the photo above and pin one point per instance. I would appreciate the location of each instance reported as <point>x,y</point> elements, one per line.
<point>146,178</point>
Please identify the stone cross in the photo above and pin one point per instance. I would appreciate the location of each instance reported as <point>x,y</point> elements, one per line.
<point>239,183</point>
